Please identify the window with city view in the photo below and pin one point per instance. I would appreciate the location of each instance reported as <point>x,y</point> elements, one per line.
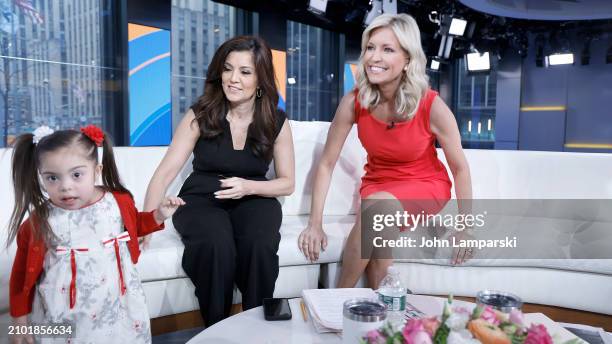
<point>198,28</point>
<point>56,65</point>
<point>312,73</point>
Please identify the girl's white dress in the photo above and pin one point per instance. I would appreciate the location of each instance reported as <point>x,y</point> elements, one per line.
<point>101,313</point>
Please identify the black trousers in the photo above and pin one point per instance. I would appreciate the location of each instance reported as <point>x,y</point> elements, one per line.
<point>227,242</point>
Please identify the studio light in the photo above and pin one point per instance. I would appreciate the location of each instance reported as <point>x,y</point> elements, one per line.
<point>390,6</point>
<point>374,12</point>
<point>435,65</point>
<point>379,7</point>
<point>477,62</point>
<point>291,81</point>
<point>434,17</point>
<point>317,6</point>
<point>457,27</point>
<point>560,53</point>
<point>560,59</point>
<point>446,43</point>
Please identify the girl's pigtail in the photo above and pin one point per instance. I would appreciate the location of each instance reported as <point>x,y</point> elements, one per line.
<point>27,190</point>
<point>110,173</point>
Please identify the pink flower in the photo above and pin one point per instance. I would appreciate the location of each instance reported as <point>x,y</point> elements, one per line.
<point>418,338</point>
<point>516,317</point>
<point>413,325</point>
<point>375,337</point>
<point>431,325</point>
<point>414,332</point>
<point>490,316</point>
<point>537,334</point>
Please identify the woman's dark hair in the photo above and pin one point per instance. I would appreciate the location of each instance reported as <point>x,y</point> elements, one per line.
<point>29,197</point>
<point>210,109</point>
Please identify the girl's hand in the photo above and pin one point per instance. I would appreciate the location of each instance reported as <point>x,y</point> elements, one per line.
<point>311,241</point>
<point>144,242</point>
<point>21,338</point>
<point>167,207</point>
<point>234,188</point>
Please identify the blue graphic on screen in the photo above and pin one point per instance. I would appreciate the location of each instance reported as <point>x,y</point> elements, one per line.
<point>349,79</point>
<point>149,87</point>
<point>281,102</point>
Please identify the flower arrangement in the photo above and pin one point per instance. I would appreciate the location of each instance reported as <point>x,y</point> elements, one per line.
<point>457,325</point>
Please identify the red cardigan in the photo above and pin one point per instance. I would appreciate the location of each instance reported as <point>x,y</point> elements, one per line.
<point>28,263</point>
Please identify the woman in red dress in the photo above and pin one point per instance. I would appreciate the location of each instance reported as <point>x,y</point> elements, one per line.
<point>398,118</point>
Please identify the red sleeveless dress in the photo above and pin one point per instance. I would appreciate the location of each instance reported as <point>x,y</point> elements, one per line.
<point>402,158</point>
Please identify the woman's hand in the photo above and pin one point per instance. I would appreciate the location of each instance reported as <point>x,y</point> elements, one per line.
<point>311,241</point>
<point>234,188</point>
<point>167,208</point>
<point>21,338</point>
<point>461,255</point>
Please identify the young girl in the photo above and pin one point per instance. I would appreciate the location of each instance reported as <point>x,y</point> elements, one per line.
<point>76,253</point>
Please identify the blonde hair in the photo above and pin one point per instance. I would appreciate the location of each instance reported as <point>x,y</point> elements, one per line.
<point>414,82</point>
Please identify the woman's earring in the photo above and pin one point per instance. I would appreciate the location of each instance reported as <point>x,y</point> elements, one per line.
<point>258,92</point>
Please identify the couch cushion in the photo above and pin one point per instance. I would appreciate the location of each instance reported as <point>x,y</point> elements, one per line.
<point>538,175</point>
<point>162,260</point>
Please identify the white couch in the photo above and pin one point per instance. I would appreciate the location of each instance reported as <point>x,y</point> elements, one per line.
<point>580,284</point>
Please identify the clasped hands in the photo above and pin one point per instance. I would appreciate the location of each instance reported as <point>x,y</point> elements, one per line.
<point>233,188</point>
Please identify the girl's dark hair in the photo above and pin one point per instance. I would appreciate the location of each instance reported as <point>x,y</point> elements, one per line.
<point>29,197</point>
<point>210,109</point>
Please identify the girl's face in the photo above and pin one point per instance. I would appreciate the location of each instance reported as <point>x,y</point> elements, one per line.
<point>69,177</point>
<point>384,58</point>
<point>238,78</point>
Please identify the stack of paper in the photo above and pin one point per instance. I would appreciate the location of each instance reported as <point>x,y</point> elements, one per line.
<point>325,305</point>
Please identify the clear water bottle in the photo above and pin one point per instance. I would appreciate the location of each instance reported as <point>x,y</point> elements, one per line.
<point>393,294</point>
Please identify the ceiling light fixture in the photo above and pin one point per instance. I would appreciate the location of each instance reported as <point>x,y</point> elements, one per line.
<point>477,62</point>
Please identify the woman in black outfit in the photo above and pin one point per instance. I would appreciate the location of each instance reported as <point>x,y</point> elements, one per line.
<point>230,223</point>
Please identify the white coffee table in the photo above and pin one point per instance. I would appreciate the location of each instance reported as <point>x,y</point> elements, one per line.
<point>251,327</point>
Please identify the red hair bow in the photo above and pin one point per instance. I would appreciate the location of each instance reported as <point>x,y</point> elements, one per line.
<point>94,133</point>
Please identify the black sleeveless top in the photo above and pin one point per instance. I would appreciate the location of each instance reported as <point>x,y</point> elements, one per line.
<point>216,158</point>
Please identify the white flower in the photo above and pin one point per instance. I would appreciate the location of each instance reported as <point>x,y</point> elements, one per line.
<point>461,337</point>
<point>41,132</point>
<point>457,321</point>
